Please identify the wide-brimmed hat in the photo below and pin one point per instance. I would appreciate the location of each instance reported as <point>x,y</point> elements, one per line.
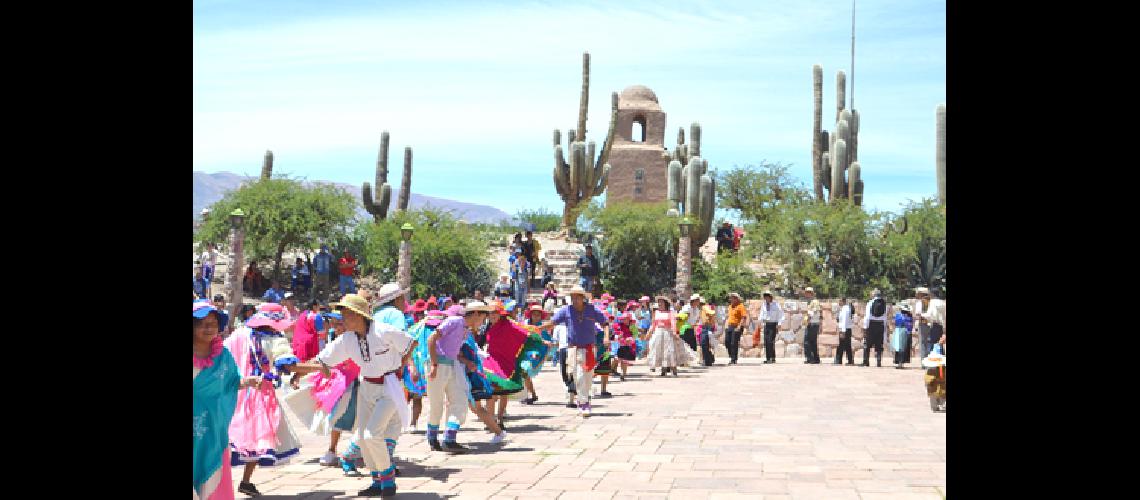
<point>768,293</point>
<point>354,303</point>
<point>434,317</point>
<point>270,314</point>
<point>696,296</point>
<point>643,298</point>
<point>734,294</point>
<point>904,308</point>
<point>203,308</point>
<point>476,306</point>
<point>578,290</point>
<point>420,306</point>
<point>922,289</point>
<point>538,308</point>
<point>607,296</point>
<point>389,292</point>
<point>632,305</point>
<point>504,275</point>
<point>659,298</point>
<point>934,360</point>
<point>809,290</point>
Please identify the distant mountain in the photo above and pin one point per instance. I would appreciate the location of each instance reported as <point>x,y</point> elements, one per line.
<point>209,188</point>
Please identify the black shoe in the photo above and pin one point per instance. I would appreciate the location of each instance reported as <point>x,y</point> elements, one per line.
<point>434,444</point>
<point>373,491</point>
<point>454,448</point>
<point>837,362</point>
<point>571,405</point>
<point>622,377</point>
<point>807,361</point>
<point>396,471</point>
<point>606,394</point>
<point>529,401</point>
<point>249,489</point>
<point>866,364</point>
<point>850,363</point>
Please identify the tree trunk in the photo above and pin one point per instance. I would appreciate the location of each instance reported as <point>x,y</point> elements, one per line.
<point>404,265</point>
<point>277,263</point>
<point>234,276</point>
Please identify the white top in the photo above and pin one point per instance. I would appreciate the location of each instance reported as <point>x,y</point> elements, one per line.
<point>771,312</point>
<point>814,310</point>
<point>209,257</point>
<point>934,313</point>
<point>560,336</point>
<point>868,318</point>
<point>385,345</point>
<point>845,320</point>
<point>694,319</point>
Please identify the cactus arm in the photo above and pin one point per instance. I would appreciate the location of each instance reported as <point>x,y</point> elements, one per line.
<point>940,151</point>
<point>840,93</point>
<point>837,182</point>
<point>695,139</point>
<point>584,101</point>
<point>692,191</point>
<point>561,183</point>
<point>267,166</point>
<point>382,161</point>
<point>817,124</point>
<point>604,157</point>
<point>673,183</point>
<point>602,181</point>
<point>853,185</point>
<point>406,181</point>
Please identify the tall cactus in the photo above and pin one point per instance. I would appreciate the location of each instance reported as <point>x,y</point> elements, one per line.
<point>378,206</point>
<point>267,166</point>
<point>816,124</point>
<point>940,151</point>
<point>840,93</point>
<point>690,188</point>
<point>585,176</point>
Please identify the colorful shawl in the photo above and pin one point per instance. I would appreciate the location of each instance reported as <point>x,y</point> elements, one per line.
<point>215,396</point>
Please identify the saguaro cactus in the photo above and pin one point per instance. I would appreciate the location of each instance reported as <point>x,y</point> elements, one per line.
<point>840,93</point>
<point>267,166</point>
<point>816,124</point>
<point>940,150</point>
<point>584,176</point>
<point>378,206</point>
<point>691,189</point>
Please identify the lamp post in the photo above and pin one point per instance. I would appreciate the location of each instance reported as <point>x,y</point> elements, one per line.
<point>404,265</point>
<point>236,264</point>
<point>684,261</point>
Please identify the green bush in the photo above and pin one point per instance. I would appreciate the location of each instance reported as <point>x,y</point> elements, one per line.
<point>728,273</point>
<point>447,257</point>
<point>638,252</point>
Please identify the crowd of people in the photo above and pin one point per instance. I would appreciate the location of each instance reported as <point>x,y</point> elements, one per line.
<point>364,364</point>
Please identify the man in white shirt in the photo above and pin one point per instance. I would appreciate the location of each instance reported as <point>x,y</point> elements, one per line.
<point>930,319</point>
<point>843,324</point>
<point>771,315</point>
<point>381,409</point>
<point>814,313</point>
<point>875,327</point>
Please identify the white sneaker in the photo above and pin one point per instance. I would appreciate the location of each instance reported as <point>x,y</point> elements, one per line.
<point>499,438</point>
<point>330,459</point>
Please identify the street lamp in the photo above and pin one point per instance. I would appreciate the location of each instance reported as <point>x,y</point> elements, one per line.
<point>404,264</point>
<point>686,224</point>
<point>234,274</point>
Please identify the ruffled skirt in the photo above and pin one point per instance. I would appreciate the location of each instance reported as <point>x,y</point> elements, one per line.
<point>668,351</point>
<point>259,431</point>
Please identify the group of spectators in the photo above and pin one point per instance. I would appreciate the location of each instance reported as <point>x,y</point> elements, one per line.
<point>308,277</point>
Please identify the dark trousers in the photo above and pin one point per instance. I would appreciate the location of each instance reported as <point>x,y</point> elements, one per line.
<point>873,339</point>
<point>770,341</point>
<point>811,349</point>
<point>706,345</point>
<point>566,377</point>
<point>690,338</point>
<point>844,347</point>
<point>732,340</point>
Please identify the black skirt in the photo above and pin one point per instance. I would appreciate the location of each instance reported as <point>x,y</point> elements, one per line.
<point>627,353</point>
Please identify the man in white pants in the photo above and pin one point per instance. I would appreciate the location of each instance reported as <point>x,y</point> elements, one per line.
<point>581,320</point>
<point>447,377</point>
<point>381,410</point>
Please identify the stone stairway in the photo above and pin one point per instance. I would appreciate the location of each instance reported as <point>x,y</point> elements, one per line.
<point>563,262</point>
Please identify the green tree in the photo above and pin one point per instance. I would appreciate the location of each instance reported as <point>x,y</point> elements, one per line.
<point>543,219</point>
<point>760,193</point>
<point>281,214</point>
<point>638,252</point>
<point>447,256</point>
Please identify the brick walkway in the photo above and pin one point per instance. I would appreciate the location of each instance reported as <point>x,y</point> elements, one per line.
<point>783,431</point>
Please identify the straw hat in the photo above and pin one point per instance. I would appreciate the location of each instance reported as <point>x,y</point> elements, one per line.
<point>922,289</point>
<point>270,314</point>
<point>475,306</point>
<point>389,292</point>
<point>354,303</point>
<point>659,298</point>
<point>696,296</point>
<point>809,290</point>
<point>768,293</point>
<point>578,290</point>
<point>735,295</point>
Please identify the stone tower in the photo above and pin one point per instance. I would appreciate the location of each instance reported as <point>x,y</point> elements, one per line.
<point>638,171</point>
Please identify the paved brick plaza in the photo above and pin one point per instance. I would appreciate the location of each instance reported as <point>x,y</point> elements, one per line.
<point>783,431</point>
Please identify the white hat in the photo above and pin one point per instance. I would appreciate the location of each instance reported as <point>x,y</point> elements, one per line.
<point>578,290</point>
<point>809,289</point>
<point>475,306</point>
<point>922,289</point>
<point>288,295</point>
<point>389,292</point>
<point>934,360</point>
<point>696,296</point>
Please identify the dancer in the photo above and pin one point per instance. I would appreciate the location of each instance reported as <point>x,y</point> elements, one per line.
<point>380,350</point>
<point>666,349</point>
<point>580,321</point>
<point>626,341</point>
<point>605,356</point>
<point>216,385</point>
<point>259,431</point>
<point>505,341</point>
<point>535,317</point>
<point>444,378</point>
<point>900,343</point>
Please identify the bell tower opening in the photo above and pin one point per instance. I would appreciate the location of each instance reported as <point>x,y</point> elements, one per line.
<point>638,132</point>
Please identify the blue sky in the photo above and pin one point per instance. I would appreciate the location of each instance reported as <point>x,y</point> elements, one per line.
<point>476,88</point>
